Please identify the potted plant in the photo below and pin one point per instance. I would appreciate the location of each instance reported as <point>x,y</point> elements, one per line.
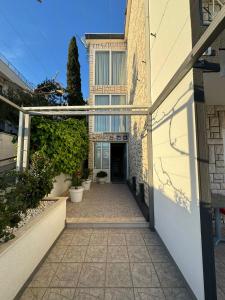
<point>76,190</point>
<point>86,179</point>
<point>101,176</point>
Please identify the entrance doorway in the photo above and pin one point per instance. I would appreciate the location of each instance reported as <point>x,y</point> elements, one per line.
<point>118,162</point>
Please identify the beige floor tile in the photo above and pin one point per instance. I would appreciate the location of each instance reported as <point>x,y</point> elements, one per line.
<point>134,239</point>
<point>115,239</point>
<point>149,294</point>
<point>56,254</point>
<point>81,239</point>
<point>98,239</point>
<point>33,294</point>
<point>89,294</point>
<point>152,239</point>
<point>117,254</point>
<point>75,254</point>
<point>59,294</point>
<point>67,275</point>
<point>144,275</point>
<point>169,275</point>
<point>158,254</point>
<point>65,239</point>
<point>138,254</point>
<point>44,275</point>
<point>92,275</point>
<point>119,294</point>
<point>118,275</point>
<point>96,254</point>
<point>177,294</point>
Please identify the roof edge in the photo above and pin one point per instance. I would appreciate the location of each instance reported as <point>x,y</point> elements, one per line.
<point>104,36</point>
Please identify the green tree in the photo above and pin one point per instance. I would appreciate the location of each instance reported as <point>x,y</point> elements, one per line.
<point>74,96</point>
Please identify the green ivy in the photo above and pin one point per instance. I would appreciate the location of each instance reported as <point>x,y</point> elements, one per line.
<point>64,142</point>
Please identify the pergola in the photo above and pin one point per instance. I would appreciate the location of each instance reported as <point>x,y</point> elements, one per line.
<point>211,33</point>
<point>25,114</point>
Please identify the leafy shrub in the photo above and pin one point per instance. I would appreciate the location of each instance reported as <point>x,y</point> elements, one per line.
<point>20,191</point>
<point>101,174</point>
<point>76,179</point>
<point>64,142</point>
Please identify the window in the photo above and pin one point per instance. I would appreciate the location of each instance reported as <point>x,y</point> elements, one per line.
<point>101,155</point>
<point>102,68</point>
<point>110,68</point>
<point>118,68</point>
<point>110,123</point>
<point>102,123</point>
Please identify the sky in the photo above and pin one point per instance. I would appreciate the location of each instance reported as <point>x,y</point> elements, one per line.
<point>35,36</point>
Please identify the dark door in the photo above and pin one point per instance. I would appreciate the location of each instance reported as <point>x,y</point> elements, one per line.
<point>118,162</point>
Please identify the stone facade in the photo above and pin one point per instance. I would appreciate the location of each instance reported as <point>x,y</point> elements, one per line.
<point>215,127</point>
<point>93,45</point>
<point>137,93</point>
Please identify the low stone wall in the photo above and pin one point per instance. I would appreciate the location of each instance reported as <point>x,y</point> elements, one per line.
<point>215,127</point>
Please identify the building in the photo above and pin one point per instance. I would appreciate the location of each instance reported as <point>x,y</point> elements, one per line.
<point>108,86</point>
<point>178,152</point>
<point>10,79</point>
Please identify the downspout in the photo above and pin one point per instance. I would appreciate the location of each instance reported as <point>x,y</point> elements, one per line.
<point>149,118</point>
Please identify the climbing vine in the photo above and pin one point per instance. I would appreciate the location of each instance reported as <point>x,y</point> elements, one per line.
<point>64,142</point>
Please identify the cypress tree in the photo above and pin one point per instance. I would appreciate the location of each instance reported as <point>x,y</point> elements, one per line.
<point>75,96</point>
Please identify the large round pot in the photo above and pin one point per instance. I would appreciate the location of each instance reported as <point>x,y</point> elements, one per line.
<point>86,184</point>
<point>101,180</point>
<point>76,195</point>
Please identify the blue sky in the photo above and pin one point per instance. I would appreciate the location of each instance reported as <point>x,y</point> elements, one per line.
<point>34,37</point>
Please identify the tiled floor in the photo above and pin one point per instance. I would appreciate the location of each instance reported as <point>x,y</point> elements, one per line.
<point>220,268</point>
<point>110,264</point>
<point>105,203</point>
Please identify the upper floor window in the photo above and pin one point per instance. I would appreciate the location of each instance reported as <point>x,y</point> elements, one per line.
<point>110,123</point>
<point>110,68</point>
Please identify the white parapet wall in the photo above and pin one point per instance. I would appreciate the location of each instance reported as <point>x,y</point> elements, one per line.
<point>60,186</point>
<point>20,256</point>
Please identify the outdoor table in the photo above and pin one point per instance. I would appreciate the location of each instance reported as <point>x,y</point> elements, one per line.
<point>218,202</point>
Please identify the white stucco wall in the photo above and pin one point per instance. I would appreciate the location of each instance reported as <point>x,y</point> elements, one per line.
<point>176,190</point>
<point>60,186</point>
<point>20,256</point>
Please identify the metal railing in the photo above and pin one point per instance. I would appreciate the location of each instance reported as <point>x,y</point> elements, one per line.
<point>210,9</point>
<point>18,73</point>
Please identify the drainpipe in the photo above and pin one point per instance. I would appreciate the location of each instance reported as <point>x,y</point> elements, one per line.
<point>149,117</point>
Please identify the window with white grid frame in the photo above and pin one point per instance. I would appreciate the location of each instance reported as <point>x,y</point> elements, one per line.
<point>110,67</point>
<point>110,123</point>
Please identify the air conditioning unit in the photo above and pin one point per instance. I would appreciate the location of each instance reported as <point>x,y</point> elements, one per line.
<point>208,52</point>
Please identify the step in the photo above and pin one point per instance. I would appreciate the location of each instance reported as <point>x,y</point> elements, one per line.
<point>107,222</point>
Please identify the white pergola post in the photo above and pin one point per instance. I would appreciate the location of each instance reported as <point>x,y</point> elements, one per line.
<point>19,160</point>
<point>26,141</point>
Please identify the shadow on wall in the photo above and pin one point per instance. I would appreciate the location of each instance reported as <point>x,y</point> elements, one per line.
<point>134,79</point>
<point>176,190</point>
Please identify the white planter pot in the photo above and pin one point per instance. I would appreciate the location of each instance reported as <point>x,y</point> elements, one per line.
<point>76,195</point>
<point>20,256</point>
<point>102,180</point>
<point>86,184</point>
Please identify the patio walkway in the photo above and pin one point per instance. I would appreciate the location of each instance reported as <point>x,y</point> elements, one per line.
<point>111,264</point>
<point>220,268</point>
<point>111,204</point>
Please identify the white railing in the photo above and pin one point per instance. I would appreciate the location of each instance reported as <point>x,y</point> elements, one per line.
<point>210,8</point>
